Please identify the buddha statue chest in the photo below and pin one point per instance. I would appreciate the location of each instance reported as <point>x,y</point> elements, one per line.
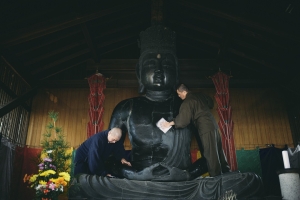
<point>149,144</point>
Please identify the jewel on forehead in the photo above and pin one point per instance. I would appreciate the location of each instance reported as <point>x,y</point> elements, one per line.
<point>158,56</point>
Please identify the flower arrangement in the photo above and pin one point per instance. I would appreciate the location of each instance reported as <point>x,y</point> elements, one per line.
<point>48,183</point>
<point>55,162</point>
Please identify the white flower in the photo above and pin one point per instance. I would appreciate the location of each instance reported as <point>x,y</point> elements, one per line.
<point>39,187</point>
<point>49,151</point>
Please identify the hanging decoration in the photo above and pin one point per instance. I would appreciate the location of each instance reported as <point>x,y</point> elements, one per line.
<point>97,83</point>
<point>221,82</point>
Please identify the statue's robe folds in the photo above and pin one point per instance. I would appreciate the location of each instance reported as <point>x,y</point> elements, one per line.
<point>244,185</point>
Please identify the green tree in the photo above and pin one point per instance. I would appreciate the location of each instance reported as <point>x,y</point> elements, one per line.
<point>54,142</point>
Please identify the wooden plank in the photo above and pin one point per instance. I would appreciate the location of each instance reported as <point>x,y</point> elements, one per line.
<point>260,118</point>
<point>65,22</point>
<point>255,125</point>
<point>17,101</point>
<point>73,107</point>
<point>60,61</point>
<point>236,19</point>
<point>235,106</point>
<point>8,91</point>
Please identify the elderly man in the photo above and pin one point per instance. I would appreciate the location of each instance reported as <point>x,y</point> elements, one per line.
<point>197,109</point>
<point>92,154</point>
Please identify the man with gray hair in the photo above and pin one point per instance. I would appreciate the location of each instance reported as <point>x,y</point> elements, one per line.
<point>92,154</point>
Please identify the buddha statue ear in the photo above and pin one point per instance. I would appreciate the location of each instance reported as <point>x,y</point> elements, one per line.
<point>138,75</point>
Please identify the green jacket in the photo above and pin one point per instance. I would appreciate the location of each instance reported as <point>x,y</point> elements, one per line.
<point>196,108</point>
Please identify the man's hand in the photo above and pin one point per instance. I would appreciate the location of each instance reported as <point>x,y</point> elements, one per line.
<point>167,124</point>
<point>123,161</point>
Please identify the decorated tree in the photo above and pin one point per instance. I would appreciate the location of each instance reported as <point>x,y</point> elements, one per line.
<point>54,141</point>
<point>53,175</point>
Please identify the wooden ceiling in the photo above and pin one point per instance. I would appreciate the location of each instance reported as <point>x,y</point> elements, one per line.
<point>61,43</point>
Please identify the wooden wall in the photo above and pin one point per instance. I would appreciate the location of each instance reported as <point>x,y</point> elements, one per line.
<point>259,115</point>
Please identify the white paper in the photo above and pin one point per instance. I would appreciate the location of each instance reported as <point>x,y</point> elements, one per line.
<point>159,125</point>
<point>286,160</point>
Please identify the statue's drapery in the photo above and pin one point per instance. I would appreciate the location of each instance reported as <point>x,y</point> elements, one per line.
<point>244,185</point>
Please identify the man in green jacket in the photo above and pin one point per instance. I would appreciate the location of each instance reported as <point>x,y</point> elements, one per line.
<point>197,109</point>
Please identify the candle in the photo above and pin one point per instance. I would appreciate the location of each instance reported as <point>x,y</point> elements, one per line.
<point>286,160</point>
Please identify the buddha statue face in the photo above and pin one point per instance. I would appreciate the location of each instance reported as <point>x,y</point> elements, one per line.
<point>158,71</point>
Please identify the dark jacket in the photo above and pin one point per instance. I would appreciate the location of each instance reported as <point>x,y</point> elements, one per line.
<point>196,108</point>
<point>95,151</point>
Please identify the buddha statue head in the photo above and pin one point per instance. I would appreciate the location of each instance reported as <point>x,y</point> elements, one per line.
<point>157,69</point>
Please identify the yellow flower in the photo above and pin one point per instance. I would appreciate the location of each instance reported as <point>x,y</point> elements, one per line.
<point>46,173</point>
<point>65,175</point>
<point>26,178</point>
<point>60,181</point>
<point>53,180</point>
<point>33,178</point>
<point>43,182</point>
<point>43,155</point>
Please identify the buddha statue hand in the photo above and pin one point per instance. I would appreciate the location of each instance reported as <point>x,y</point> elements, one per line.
<point>157,172</point>
<point>174,174</point>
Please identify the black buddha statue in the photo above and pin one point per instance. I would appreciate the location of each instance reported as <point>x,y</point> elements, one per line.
<point>153,151</point>
<point>161,162</point>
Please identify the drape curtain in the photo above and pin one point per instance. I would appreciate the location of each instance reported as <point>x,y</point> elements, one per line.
<point>221,82</point>
<point>96,99</point>
<point>17,172</point>
<point>6,168</point>
<point>15,162</point>
<point>25,162</point>
<point>249,161</point>
<point>271,161</point>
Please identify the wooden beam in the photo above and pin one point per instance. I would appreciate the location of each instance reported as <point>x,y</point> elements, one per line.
<point>238,20</point>
<point>15,71</point>
<point>17,101</point>
<point>130,27</point>
<point>116,64</point>
<point>206,42</point>
<point>256,48</point>
<point>266,38</point>
<point>133,83</point>
<point>69,21</point>
<point>8,91</point>
<point>62,70</point>
<point>54,52</point>
<point>130,64</point>
<point>48,42</point>
<point>157,15</point>
<point>60,61</point>
<point>226,40</point>
<point>185,26</point>
<point>90,42</point>
<point>256,60</point>
<point>131,37</point>
<point>118,47</point>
